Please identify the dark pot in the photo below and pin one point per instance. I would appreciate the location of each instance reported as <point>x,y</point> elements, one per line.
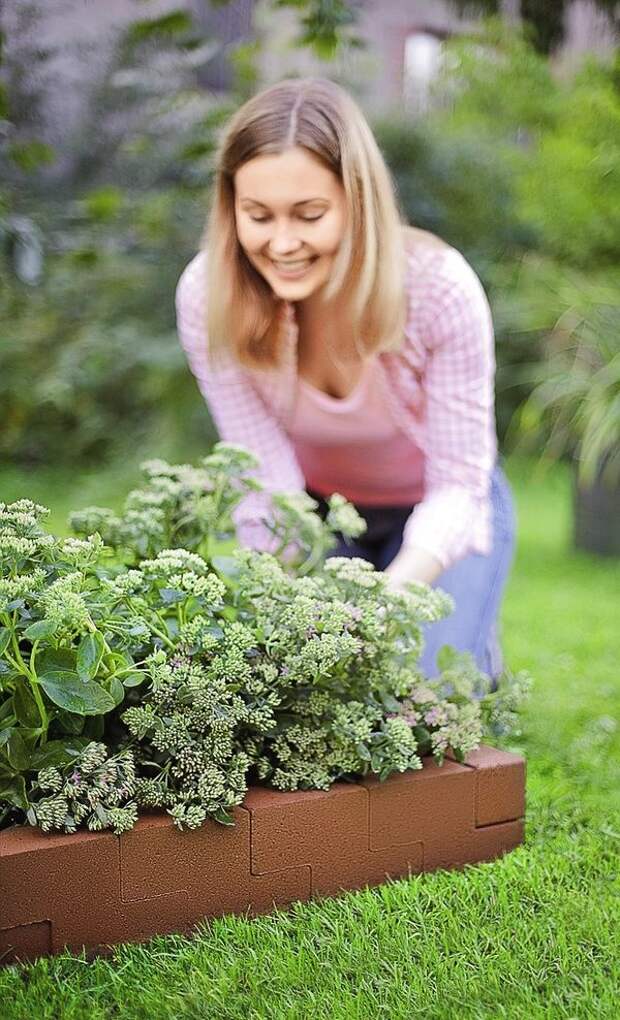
<point>597,517</point>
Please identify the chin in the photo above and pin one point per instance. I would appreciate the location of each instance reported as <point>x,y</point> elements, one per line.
<point>302,287</point>
<point>293,286</point>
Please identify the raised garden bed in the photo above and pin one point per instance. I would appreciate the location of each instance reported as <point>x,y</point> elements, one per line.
<point>92,890</point>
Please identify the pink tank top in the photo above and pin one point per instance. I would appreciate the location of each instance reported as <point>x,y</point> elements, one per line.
<point>352,446</point>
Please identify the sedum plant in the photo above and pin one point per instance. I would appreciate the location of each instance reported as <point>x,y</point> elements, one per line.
<point>182,506</point>
<point>154,663</point>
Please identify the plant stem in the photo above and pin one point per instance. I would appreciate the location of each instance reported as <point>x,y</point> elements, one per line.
<point>33,680</point>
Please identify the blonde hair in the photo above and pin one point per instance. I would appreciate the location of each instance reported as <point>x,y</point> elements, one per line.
<point>244,316</point>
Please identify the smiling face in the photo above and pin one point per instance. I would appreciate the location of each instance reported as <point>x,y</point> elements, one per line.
<point>290,214</point>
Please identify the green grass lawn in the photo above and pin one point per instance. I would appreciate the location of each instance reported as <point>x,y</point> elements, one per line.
<point>533,935</point>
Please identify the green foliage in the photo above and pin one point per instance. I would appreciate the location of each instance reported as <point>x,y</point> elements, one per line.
<point>573,408</point>
<point>175,23</point>
<point>99,325</point>
<point>529,192</point>
<point>192,508</point>
<point>140,672</point>
<point>325,26</point>
<point>455,185</point>
<point>510,159</point>
<point>30,155</point>
<point>571,187</point>
<point>100,331</point>
<point>556,139</point>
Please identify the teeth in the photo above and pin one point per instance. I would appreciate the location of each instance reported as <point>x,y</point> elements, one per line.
<point>292,265</point>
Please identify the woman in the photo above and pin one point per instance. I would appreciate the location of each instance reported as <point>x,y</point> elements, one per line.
<point>351,353</point>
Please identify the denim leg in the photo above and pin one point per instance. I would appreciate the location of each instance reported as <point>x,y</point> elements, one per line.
<point>477,584</point>
<point>348,549</point>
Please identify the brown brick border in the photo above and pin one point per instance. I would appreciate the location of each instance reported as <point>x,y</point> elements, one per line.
<point>95,889</point>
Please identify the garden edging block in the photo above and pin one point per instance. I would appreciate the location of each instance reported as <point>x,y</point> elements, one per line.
<point>92,890</point>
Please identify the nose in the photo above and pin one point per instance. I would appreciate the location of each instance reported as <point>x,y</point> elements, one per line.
<point>283,241</point>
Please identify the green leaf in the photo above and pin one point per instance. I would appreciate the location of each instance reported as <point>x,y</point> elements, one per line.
<point>226,566</point>
<point>69,692</point>
<point>52,659</point>
<point>25,706</point>
<point>165,27</point>
<point>40,629</point>
<point>31,736</point>
<point>69,723</point>
<point>116,690</point>
<point>104,203</point>
<point>29,156</point>
<point>17,752</point>
<point>363,752</point>
<point>14,792</point>
<point>58,752</point>
<point>6,709</point>
<point>89,654</point>
<point>446,657</point>
<point>170,596</point>
<point>389,702</point>
<point>222,816</point>
<point>5,639</point>
<point>101,813</point>
<point>121,660</point>
<point>133,679</point>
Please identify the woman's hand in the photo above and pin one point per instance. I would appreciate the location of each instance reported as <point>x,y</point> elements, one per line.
<point>412,564</point>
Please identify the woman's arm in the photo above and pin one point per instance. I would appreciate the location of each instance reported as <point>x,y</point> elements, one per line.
<point>413,564</point>
<point>460,445</point>
<point>238,411</point>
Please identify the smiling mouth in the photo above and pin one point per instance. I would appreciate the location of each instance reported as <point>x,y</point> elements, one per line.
<point>295,268</point>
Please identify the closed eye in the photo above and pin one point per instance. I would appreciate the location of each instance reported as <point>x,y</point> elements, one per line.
<point>306,219</point>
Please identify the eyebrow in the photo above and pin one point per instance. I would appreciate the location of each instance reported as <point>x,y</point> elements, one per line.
<point>304,201</point>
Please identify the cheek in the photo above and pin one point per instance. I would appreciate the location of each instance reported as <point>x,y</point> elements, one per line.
<point>244,235</point>
<point>331,235</point>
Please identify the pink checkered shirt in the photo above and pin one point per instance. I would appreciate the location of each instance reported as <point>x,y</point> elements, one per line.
<point>440,392</point>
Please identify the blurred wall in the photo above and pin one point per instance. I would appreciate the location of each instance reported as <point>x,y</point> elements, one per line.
<point>79,35</point>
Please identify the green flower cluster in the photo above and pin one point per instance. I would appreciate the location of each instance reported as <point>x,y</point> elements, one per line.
<point>188,507</point>
<point>186,725</point>
<point>153,663</point>
<point>93,791</point>
<point>344,648</point>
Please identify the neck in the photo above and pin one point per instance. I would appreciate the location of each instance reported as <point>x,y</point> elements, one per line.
<point>313,311</point>
<point>323,331</point>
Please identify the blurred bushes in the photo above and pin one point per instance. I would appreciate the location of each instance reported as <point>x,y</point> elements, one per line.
<point>90,364</point>
<point>518,169</point>
<point>90,359</point>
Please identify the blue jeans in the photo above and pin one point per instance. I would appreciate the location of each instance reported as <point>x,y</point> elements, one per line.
<point>475,582</point>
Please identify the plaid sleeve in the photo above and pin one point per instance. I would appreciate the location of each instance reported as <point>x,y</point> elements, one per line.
<point>238,410</point>
<point>454,517</point>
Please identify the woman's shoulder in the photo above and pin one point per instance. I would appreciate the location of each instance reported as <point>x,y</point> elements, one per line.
<point>444,295</point>
<point>433,263</point>
<point>439,277</point>
<point>191,289</point>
